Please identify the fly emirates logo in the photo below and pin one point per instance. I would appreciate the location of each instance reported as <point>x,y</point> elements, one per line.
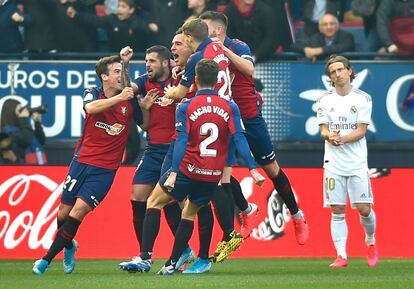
<point>114,129</point>
<point>209,109</point>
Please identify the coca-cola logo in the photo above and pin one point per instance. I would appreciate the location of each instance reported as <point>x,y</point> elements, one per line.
<point>273,225</point>
<point>29,204</point>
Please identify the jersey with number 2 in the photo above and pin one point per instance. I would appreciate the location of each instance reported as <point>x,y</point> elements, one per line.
<point>208,120</point>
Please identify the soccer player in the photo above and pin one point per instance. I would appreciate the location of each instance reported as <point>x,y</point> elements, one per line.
<point>159,135</point>
<point>343,115</point>
<point>204,124</point>
<point>250,102</point>
<point>223,202</point>
<point>195,33</point>
<point>109,110</point>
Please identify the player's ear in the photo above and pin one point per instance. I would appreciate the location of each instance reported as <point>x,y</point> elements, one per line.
<point>104,77</point>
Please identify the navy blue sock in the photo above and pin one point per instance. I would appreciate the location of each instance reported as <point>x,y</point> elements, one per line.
<point>64,236</point>
<point>138,212</point>
<point>60,224</point>
<point>172,213</point>
<point>205,230</point>
<point>239,199</point>
<point>150,231</point>
<point>224,208</point>
<point>283,187</point>
<point>182,236</point>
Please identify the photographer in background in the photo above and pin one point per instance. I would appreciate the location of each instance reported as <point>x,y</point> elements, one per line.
<point>27,143</point>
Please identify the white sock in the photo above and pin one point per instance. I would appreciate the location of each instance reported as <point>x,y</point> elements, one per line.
<point>339,233</point>
<point>369,224</point>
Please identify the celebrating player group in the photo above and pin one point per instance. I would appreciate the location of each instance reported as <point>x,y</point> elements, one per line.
<point>198,109</point>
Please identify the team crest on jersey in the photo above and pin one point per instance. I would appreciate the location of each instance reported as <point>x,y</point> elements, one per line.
<point>320,111</point>
<point>114,129</point>
<point>353,109</point>
<point>123,110</point>
<point>164,101</point>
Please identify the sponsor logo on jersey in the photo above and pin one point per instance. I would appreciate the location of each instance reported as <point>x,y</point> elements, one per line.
<point>164,101</point>
<point>205,172</point>
<point>114,129</point>
<point>123,110</point>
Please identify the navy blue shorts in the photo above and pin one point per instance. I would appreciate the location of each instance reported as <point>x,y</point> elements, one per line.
<point>259,140</point>
<point>87,182</point>
<point>166,164</point>
<point>198,192</point>
<point>149,167</point>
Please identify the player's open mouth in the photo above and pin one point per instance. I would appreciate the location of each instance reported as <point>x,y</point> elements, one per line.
<point>175,55</point>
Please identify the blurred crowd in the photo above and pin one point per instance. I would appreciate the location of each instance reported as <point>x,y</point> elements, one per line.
<point>21,134</point>
<point>39,26</point>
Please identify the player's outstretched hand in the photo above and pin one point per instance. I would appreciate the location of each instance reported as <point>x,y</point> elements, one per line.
<point>169,183</point>
<point>126,53</point>
<point>149,99</point>
<point>257,177</point>
<point>127,93</point>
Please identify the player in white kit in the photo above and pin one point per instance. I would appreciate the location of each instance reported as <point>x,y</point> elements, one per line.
<point>344,114</point>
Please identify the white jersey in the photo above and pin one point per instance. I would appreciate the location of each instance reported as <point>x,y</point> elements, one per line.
<point>343,113</point>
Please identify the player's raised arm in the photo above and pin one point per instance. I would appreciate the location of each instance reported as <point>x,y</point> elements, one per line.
<point>126,55</point>
<point>99,105</point>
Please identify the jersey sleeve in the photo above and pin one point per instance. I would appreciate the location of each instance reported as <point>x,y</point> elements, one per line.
<point>237,131</point>
<point>180,145</point>
<point>364,114</point>
<point>89,95</point>
<point>321,112</point>
<point>189,71</point>
<point>235,124</point>
<point>140,82</point>
<point>137,114</point>
<point>242,49</point>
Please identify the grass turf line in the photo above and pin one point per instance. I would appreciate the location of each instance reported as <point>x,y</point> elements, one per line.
<point>234,273</point>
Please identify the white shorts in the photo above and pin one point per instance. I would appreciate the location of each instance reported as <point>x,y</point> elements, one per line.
<point>336,189</point>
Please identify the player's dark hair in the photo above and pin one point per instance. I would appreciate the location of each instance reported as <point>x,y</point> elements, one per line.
<point>216,17</point>
<point>163,52</point>
<point>196,28</point>
<point>338,58</point>
<point>206,72</point>
<point>102,66</point>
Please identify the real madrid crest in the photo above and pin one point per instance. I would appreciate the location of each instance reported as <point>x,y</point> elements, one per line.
<point>353,109</point>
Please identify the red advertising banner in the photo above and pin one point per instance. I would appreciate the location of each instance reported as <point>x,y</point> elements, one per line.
<point>29,199</point>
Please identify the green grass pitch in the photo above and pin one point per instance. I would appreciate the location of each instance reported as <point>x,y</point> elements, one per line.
<point>233,273</point>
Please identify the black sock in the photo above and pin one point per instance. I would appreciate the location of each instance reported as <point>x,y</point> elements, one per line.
<point>60,224</point>
<point>182,236</point>
<point>224,208</point>
<point>282,185</point>
<point>65,235</point>
<point>172,213</point>
<point>205,230</point>
<point>138,212</point>
<point>150,232</point>
<point>239,199</point>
